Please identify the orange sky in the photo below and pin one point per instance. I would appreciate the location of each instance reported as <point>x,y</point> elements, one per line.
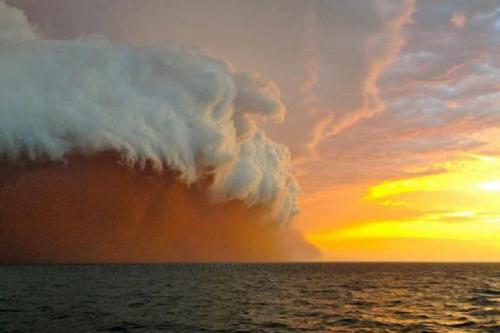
<point>392,121</point>
<point>449,216</point>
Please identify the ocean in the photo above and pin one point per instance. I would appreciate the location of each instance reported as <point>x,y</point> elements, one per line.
<point>329,297</point>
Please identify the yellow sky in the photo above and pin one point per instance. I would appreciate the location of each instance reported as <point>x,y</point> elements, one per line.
<point>448,216</point>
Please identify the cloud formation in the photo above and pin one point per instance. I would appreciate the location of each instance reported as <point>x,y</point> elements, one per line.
<point>164,107</point>
<point>325,56</point>
<point>440,97</point>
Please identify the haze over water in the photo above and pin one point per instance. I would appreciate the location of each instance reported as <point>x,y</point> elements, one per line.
<point>378,297</point>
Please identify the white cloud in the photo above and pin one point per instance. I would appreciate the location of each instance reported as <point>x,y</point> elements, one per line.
<point>169,107</point>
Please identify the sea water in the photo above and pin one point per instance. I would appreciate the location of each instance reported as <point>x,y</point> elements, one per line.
<point>330,297</point>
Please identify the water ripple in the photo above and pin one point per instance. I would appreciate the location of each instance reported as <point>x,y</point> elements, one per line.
<point>251,298</point>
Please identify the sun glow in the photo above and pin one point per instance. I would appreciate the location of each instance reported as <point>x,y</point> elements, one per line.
<point>423,228</point>
<point>493,186</point>
<point>468,175</point>
<point>450,215</point>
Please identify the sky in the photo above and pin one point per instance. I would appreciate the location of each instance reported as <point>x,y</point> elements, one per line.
<point>393,108</point>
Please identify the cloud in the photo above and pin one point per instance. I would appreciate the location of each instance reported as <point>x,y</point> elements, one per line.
<point>118,153</point>
<point>165,107</point>
<point>13,24</point>
<point>325,56</point>
<point>439,95</point>
<point>351,45</point>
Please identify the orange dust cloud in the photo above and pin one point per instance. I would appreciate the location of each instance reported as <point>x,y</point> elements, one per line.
<point>95,209</point>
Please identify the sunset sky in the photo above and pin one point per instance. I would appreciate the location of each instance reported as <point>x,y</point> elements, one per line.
<point>393,108</point>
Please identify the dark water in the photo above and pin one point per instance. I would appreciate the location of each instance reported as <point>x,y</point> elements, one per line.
<point>251,298</point>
